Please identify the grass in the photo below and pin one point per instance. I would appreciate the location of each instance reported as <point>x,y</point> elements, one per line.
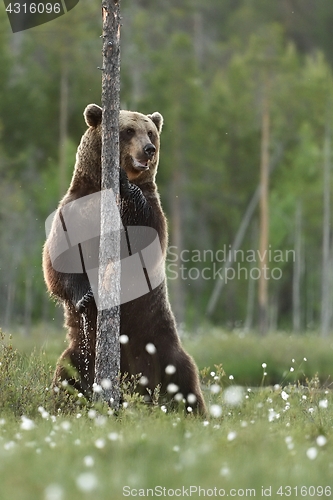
<point>263,437</point>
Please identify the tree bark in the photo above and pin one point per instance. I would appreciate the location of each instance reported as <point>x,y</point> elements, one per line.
<point>297,272</point>
<point>63,127</point>
<point>107,366</point>
<point>264,215</point>
<point>326,295</point>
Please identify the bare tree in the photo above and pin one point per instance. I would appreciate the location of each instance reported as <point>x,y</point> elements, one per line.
<point>297,271</point>
<point>326,296</point>
<point>264,213</point>
<point>107,366</point>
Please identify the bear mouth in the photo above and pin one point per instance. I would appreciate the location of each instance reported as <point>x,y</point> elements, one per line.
<point>140,164</point>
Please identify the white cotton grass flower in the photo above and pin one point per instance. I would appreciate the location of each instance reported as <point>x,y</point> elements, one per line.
<point>123,339</point>
<point>179,397</point>
<point>106,383</point>
<point>225,471</point>
<point>143,380</point>
<point>231,435</point>
<point>65,425</point>
<point>87,481</point>
<point>2,421</point>
<point>9,446</point>
<point>97,389</point>
<point>100,421</point>
<point>191,398</point>
<point>88,461</point>
<point>231,377</point>
<point>172,388</point>
<point>27,424</point>
<point>284,395</point>
<point>113,436</point>
<point>164,408</point>
<point>323,403</point>
<point>100,443</point>
<point>264,365</point>
<point>215,411</point>
<point>170,369</point>
<point>321,440</point>
<point>312,453</point>
<point>233,396</point>
<point>150,348</point>
<point>292,369</point>
<point>92,414</point>
<point>54,492</point>
<point>215,388</point>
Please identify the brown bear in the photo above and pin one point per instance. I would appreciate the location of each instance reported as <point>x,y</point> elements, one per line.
<point>152,347</point>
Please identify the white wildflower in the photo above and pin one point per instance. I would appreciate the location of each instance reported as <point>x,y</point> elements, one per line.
<point>106,383</point>
<point>284,395</point>
<point>54,492</point>
<point>97,388</point>
<point>231,435</point>
<point>89,461</point>
<point>143,380</point>
<point>323,403</point>
<point>113,436</point>
<point>233,396</point>
<point>27,424</point>
<point>215,411</point>
<point>321,440</point>
<point>87,481</point>
<point>150,348</point>
<point>172,388</point>
<point>170,370</point>
<point>65,425</point>
<point>215,389</point>
<point>312,453</point>
<point>225,471</point>
<point>191,398</point>
<point>123,339</point>
<point>100,443</point>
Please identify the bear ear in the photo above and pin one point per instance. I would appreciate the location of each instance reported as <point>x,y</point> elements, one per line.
<point>157,118</point>
<point>93,115</point>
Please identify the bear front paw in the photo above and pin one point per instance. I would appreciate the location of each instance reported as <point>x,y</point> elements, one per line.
<point>82,304</point>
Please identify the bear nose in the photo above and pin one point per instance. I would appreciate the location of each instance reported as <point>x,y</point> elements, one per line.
<point>149,150</point>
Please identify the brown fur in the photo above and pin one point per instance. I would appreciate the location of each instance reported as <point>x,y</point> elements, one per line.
<point>147,319</point>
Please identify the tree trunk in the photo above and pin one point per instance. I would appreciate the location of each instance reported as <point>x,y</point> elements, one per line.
<point>264,216</point>
<point>251,293</point>
<point>28,302</point>
<point>107,366</point>
<point>325,299</point>
<point>297,271</point>
<point>63,127</point>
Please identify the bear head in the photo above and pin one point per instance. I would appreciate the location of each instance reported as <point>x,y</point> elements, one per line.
<point>139,143</point>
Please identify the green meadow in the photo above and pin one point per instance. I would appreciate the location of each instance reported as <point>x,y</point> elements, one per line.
<point>270,437</point>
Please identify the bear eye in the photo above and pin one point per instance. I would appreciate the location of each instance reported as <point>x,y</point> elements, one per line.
<point>150,134</point>
<point>130,131</point>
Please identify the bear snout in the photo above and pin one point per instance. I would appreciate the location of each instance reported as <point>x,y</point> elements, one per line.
<point>149,150</point>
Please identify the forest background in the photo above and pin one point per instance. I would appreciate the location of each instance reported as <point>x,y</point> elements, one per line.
<point>209,68</point>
